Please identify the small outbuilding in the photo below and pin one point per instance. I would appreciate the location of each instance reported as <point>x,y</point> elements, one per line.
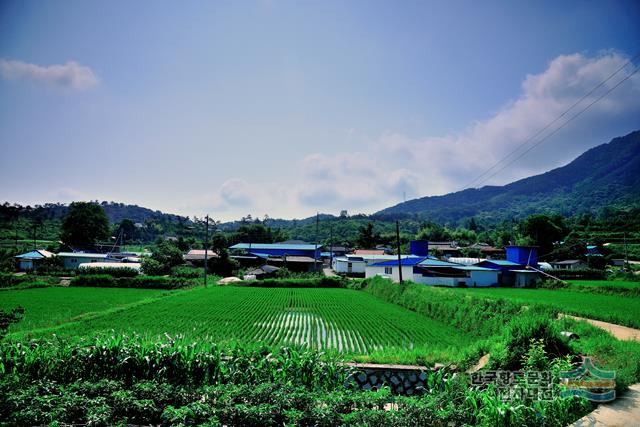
<point>31,260</point>
<point>570,264</point>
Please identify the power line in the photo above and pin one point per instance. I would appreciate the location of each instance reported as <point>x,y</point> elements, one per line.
<point>548,125</point>
<point>560,127</point>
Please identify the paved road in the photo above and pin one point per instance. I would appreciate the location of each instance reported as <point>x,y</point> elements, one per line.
<point>624,411</point>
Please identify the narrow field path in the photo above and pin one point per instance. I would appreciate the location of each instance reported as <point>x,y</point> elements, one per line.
<point>624,411</point>
<point>620,332</point>
<point>329,272</point>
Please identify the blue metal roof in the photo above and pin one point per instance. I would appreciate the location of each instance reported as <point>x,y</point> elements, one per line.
<point>430,262</point>
<point>474,268</point>
<point>282,246</point>
<point>403,262</point>
<point>502,262</point>
<point>31,255</point>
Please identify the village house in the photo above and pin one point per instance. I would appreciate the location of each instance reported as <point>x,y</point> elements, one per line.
<point>31,260</point>
<point>72,260</point>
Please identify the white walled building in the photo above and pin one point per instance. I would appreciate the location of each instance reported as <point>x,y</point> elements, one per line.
<point>72,260</point>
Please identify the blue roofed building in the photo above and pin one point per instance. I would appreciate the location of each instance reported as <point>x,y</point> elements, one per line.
<point>31,260</point>
<point>277,249</point>
<point>432,271</point>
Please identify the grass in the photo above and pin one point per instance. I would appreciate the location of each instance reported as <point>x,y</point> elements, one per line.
<point>609,308</point>
<point>47,307</point>
<point>335,320</point>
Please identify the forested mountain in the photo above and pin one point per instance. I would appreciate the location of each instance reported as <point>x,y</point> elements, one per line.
<point>607,175</point>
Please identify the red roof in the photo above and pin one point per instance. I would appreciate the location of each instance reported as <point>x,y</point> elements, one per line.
<point>368,252</point>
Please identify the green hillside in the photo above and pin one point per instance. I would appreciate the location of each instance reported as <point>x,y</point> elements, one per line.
<point>606,175</point>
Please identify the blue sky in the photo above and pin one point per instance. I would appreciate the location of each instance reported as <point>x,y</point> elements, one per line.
<point>288,108</point>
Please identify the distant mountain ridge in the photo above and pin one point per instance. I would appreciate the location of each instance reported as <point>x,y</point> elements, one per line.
<point>606,175</point>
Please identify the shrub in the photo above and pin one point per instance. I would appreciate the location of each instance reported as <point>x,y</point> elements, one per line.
<point>187,272</point>
<point>582,274</point>
<point>521,333</point>
<point>152,267</point>
<point>143,282</point>
<point>319,282</point>
<point>111,271</point>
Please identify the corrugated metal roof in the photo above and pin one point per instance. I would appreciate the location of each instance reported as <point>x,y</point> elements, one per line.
<point>404,261</point>
<point>502,262</point>
<point>304,259</point>
<point>283,246</point>
<point>379,257</point>
<point>133,265</point>
<point>37,254</point>
<point>368,252</point>
<point>474,268</point>
<point>430,262</point>
<point>81,255</point>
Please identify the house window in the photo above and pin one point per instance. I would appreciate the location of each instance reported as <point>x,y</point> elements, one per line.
<point>74,260</point>
<point>388,270</point>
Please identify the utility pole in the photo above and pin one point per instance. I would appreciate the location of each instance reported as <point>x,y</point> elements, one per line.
<point>315,253</point>
<point>331,245</point>
<point>626,255</point>
<point>206,254</point>
<point>399,257</point>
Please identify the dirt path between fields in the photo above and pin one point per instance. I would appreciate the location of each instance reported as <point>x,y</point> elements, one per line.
<point>329,272</point>
<point>620,332</point>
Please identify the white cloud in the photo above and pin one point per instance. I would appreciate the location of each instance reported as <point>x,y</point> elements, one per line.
<point>236,192</point>
<point>68,194</point>
<point>70,75</point>
<point>377,174</point>
<point>395,164</point>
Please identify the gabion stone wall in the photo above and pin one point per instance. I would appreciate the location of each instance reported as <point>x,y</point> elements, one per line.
<point>401,379</point>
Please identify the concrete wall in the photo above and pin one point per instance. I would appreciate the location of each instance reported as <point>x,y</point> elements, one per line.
<point>438,281</point>
<point>483,278</point>
<point>407,272</point>
<point>342,266</point>
<point>73,262</point>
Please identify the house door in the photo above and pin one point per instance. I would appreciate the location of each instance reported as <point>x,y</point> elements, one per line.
<point>349,267</point>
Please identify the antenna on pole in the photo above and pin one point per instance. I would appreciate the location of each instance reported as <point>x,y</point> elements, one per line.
<point>315,253</point>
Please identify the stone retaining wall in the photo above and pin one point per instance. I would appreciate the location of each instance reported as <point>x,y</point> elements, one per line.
<point>401,379</point>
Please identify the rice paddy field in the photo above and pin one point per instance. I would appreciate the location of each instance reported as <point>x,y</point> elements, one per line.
<point>53,306</point>
<point>338,320</point>
<point>600,283</point>
<point>624,310</point>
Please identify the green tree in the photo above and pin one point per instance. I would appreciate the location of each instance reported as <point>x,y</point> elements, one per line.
<point>167,255</point>
<point>85,224</point>
<point>128,229</point>
<point>367,238</point>
<point>434,232</point>
<point>544,230</point>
